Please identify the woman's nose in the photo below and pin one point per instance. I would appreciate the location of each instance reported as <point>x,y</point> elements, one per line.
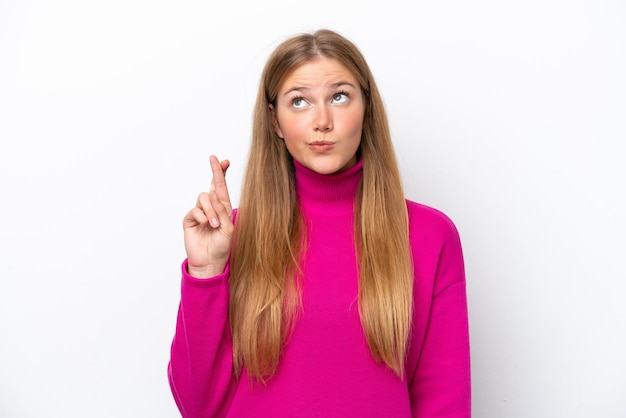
<point>323,119</point>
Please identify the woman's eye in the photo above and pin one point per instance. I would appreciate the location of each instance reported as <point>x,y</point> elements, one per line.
<point>298,102</point>
<point>340,98</point>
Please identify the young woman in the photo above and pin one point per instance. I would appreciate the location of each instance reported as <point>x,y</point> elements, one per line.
<point>326,294</point>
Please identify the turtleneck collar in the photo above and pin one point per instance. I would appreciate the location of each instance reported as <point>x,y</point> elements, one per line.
<point>327,193</point>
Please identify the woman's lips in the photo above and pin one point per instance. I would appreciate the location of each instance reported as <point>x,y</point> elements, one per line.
<point>321,146</point>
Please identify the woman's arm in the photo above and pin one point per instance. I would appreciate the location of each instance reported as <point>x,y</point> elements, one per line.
<point>440,384</point>
<point>201,364</point>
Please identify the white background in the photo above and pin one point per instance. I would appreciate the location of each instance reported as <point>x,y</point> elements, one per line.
<point>508,116</point>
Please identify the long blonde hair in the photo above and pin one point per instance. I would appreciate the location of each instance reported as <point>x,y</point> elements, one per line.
<point>269,236</point>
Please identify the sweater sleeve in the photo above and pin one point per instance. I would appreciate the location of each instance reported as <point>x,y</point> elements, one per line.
<point>201,367</point>
<point>441,384</point>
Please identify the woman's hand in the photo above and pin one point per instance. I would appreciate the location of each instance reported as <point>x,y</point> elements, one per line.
<point>208,227</point>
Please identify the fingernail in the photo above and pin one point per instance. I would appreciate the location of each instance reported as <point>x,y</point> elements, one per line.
<point>215,222</point>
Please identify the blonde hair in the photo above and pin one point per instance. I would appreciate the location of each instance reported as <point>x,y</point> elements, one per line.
<point>269,234</point>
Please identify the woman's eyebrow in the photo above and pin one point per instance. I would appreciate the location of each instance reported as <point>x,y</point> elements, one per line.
<point>341,84</point>
<point>296,88</point>
<point>330,86</point>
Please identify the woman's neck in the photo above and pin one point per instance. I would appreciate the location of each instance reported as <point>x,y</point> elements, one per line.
<point>328,193</point>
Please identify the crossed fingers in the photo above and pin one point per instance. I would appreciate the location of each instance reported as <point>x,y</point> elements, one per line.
<point>216,204</point>
<point>218,183</point>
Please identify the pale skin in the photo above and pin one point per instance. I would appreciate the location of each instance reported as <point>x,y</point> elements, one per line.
<point>319,115</point>
<point>208,227</point>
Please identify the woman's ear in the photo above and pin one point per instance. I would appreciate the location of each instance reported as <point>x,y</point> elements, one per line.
<point>275,123</point>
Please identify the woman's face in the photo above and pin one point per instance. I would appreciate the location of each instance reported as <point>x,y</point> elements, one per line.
<point>319,114</point>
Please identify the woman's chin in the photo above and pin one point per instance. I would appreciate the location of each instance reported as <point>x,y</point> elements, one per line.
<point>328,166</point>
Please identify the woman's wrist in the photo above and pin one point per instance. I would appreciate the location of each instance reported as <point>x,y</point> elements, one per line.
<point>205,272</point>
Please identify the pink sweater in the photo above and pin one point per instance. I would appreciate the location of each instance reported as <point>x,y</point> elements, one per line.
<point>327,369</point>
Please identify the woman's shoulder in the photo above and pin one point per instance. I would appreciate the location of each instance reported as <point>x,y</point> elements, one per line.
<point>428,221</point>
